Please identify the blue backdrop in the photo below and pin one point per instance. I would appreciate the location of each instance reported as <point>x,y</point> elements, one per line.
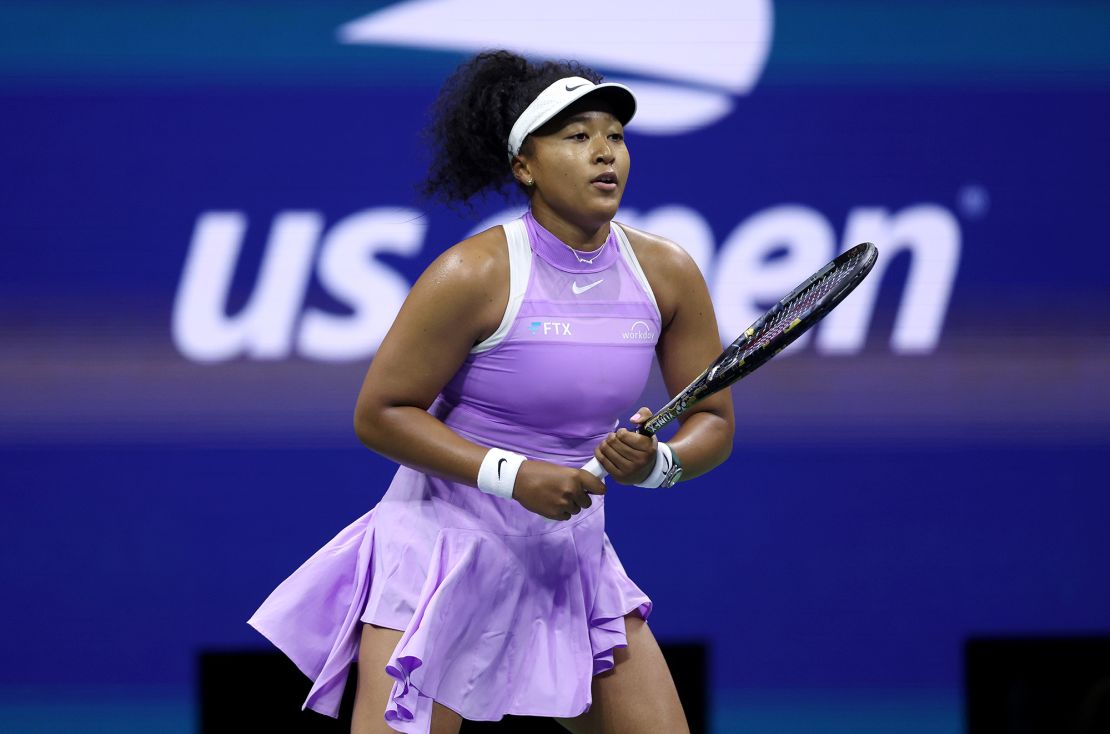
<point>208,221</point>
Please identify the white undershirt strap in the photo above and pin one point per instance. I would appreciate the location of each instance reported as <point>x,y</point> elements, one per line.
<point>634,265</point>
<point>520,269</point>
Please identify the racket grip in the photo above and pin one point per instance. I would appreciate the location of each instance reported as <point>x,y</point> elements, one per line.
<point>593,466</point>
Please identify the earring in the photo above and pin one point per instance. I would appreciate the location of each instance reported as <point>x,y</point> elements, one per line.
<point>531,182</point>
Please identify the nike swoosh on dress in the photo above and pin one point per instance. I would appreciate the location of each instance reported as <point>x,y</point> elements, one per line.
<point>580,289</point>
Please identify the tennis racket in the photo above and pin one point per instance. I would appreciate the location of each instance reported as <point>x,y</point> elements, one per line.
<point>770,334</point>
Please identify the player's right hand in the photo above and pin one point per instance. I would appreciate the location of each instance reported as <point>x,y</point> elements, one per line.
<point>556,492</point>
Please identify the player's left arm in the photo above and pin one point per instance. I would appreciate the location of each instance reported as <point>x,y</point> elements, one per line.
<point>689,342</point>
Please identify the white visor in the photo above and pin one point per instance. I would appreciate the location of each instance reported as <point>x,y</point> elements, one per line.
<point>560,95</point>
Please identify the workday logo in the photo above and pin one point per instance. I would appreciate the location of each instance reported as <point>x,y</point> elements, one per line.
<point>686,62</point>
<point>640,331</point>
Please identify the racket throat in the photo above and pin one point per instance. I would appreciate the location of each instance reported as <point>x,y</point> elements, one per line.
<point>723,366</point>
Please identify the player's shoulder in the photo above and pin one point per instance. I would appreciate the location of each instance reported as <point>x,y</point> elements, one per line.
<point>658,253</point>
<point>476,259</point>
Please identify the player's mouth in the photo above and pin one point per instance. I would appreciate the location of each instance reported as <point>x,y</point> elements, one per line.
<point>606,181</point>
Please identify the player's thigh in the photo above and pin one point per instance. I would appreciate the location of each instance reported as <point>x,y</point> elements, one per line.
<point>375,685</point>
<point>637,695</point>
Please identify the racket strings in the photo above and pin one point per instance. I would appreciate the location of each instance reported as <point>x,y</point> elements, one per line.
<point>801,305</point>
<point>819,289</point>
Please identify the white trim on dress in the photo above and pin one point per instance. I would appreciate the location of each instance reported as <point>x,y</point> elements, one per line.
<point>634,265</point>
<point>520,269</point>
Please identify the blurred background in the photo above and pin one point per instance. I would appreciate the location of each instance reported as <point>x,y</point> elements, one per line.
<point>208,222</point>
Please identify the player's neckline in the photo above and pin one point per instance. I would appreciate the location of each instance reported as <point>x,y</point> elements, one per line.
<point>564,257</point>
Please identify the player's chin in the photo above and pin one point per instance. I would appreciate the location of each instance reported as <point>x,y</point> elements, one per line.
<point>605,203</point>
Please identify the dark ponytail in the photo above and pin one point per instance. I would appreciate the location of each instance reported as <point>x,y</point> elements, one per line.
<point>473,115</point>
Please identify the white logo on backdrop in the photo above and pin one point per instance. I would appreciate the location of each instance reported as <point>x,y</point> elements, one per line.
<point>691,64</point>
<point>689,61</point>
<point>764,256</point>
<point>275,322</point>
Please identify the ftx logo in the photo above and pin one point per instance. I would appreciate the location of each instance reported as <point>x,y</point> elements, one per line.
<point>549,328</point>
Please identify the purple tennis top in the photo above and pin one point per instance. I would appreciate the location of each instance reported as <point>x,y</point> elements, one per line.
<point>576,353</point>
<point>502,611</point>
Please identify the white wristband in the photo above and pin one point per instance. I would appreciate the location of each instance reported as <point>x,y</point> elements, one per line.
<point>497,474</point>
<point>663,462</point>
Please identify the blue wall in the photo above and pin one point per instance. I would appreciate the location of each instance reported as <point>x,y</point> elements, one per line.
<point>927,469</point>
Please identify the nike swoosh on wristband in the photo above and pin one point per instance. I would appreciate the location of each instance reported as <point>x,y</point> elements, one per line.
<point>580,289</point>
<point>499,463</point>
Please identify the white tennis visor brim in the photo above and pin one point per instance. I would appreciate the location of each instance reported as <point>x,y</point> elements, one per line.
<point>560,95</point>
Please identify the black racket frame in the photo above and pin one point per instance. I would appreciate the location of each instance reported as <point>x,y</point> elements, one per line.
<point>750,350</point>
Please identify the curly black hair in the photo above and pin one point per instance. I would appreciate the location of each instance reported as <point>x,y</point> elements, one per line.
<point>472,118</point>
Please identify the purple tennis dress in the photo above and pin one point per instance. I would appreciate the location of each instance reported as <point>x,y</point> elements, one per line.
<point>503,611</point>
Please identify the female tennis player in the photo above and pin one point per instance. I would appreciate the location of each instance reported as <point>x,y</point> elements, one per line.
<point>483,583</point>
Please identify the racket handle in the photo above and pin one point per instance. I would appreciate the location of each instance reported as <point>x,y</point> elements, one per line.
<point>593,466</point>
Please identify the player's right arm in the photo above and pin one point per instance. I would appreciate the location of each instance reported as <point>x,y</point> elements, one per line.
<point>458,301</point>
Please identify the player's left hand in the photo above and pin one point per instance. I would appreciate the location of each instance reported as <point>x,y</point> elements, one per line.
<point>628,456</point>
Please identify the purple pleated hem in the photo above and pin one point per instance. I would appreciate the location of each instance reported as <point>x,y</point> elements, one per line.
<point>409,709</point>
<point>501,625</point>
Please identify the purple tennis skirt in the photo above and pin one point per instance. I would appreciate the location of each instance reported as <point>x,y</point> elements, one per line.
<point>502,611</point>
